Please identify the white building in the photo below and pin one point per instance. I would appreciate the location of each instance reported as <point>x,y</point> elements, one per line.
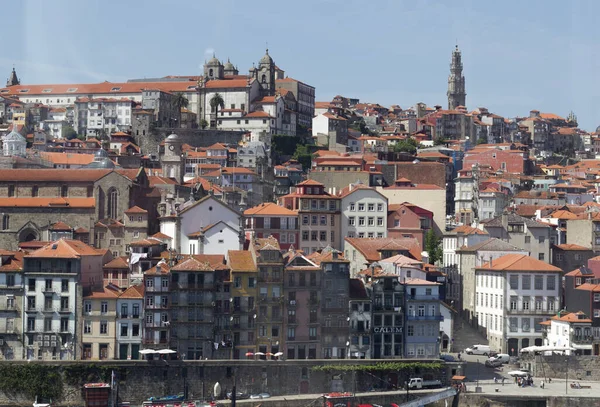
<point>325,122</point>
<point>102,116</point>
<point>447,327</point>
<point>207,226</point>
<point>460,237</point>
<point>14,144</point>
<point>364,212</point>
<point>514,294</point>
<point>569,330</point>
<point>130,306</point>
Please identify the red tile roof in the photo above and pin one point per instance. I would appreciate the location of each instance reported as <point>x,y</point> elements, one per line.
<point>269,209</point>
<point>65,249</point>
<point>42,202</point>
<point>518,262</point>
<point>136,209</point>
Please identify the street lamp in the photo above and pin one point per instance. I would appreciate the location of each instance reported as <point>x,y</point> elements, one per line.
<point>347,349</point>
<point>231,338</point>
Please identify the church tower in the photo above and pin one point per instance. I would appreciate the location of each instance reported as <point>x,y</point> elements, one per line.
<point>13,80</point>
<point>456,82</point>
<point>172,161</point>
<point>265,74</point>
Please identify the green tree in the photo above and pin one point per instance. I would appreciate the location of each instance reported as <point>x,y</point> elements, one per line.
<point>481,140</point>
<point>179,101</point>
<point>433,246</point>
<point>408,145</point>
<point>69,133</point>
<point>303,155</point>
<point>217,102</point>
<point>203,124</point>
<point>439,141</point>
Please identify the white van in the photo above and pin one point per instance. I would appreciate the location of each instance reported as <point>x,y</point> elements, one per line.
<point>478,350</point>
<point>501,357</point>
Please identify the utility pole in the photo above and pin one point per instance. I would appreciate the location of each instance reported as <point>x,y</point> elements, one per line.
<point>234,390</point>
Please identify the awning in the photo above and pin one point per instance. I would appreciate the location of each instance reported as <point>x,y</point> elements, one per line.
<point>586,347</point>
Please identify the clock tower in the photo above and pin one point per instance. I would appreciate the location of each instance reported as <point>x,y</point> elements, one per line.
<point>173,162</point>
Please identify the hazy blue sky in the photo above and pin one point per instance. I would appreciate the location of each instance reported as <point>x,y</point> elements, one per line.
<point>518,55</point>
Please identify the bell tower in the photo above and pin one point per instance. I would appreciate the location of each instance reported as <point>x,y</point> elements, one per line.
<point>13,79</point>
<point>173,162</point>
<point>456,82</point>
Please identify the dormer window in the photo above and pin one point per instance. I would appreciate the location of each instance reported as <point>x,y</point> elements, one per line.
<point>115,89</point>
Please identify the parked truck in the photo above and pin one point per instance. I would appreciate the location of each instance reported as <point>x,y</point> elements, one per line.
<point>419,383</point>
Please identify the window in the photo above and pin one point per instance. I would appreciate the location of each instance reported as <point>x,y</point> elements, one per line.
<point>113,204</point>
<point>103,327</point>
<point>542,239</point>
<point>551,303</point>
<point>371,207</point>
<point>538,282</point>
<point>361,207</point>
<point>351,221</point>
<point>87,307</point>
<point>526,303</point>
<point>527,239</point>
<point>352,206</point>
<point>34,191</point>
<point>371,221</point>
<point>410,330</point>
<point>361,221</point>
<point>513,302</point>
<point>11,190</point>
<point>305,235</point>
<point>541,256</point>
<point>514,281</point>
<point>514,324</point>
<point>104,307</point>
<point>87,327</point>
<point>5,222</point>
<point>551,283</point>
<point>536,324</point>
<point>380,221</point>
<point>237,282</point>
<point>64,191</point>
<point>526,282</point>
<point>379,207</point>
<point>525,324</point>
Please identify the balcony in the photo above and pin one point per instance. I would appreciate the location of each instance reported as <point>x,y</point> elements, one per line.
<point>422,297</point>
<point>582,339</point>
<point>9,308</point>
<point>49,290</point>
<point>193,286</point>
<point>271,300</point>
<point>128,316</point>
<point>303,338</point>
<point>425,317</point>
<point>64,310</point>
<point>269,279</point>
<point>521,311</point>
<point>359,330</point>
<point>156,289</point>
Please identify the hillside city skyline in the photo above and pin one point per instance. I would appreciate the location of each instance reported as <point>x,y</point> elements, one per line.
<point>523,78</point>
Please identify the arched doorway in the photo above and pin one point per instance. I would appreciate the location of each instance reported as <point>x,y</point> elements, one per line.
<point>445,342</point>
<point>538,341</point>
<point>513,347</point>
<point>28,235</point>
<point>524,343</point>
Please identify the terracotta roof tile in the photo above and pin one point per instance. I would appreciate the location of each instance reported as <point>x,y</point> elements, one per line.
<point>60,226</point>
<point>136,209</point>
<point>63,248</point>
<point>43,202</point>
<point>241,260</point>
<point>133,292</point>
<point>518,262</point>
<point>268,209</point>
<point>370,248</point>
<point>121,262</point>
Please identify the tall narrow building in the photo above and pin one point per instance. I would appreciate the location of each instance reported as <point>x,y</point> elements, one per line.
<point>456,82</point>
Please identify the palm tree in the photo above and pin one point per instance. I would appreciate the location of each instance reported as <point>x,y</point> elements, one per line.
<point>180,101</point>
<point>215,102</point>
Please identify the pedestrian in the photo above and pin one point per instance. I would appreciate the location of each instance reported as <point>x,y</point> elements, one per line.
<point>503,380</point>
<point>495,380</point>
<point>542,385</point>
<point>549,380</point>
<point>458,355</point>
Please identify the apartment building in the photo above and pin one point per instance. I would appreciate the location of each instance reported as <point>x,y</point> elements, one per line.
<point>360,320</point>
<point>319,214</point>
<point>514,294</point>
<point>302,292</point>
<point>11,304</point>
<point>157,282</point>
<point>128,341</point>
<point>270,219</point>
<point>363,212</point>
<point>422,305</point>
<point>55,277</point>
<point>99,323</point>
<point>266,252</point>
<point>244,292</point>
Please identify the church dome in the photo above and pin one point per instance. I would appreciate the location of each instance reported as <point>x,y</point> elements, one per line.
<point>100,154</point>
<point>214,61</point>
<point>598,129</point>
<point>173,137</point>
<point>266,59</point>
<point>102,163</point>
<point>229,66</point>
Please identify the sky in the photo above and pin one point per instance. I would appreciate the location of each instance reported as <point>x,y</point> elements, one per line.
<point>517,55</point>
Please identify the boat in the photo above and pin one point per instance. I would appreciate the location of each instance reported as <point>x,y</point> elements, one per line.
<point>178,397</point>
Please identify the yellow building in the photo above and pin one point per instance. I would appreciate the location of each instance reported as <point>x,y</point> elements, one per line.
<point>99,324</point>
<point>243,291</point>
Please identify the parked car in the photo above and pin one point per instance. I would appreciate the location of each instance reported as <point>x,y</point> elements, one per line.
<point>478,350</point>
<point>502,357</point>
<point>493,363</point>
<point>419,383</point>
<point>260,396</point>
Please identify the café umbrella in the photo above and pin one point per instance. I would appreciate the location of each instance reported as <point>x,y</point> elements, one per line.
<point>147,351</point>
<point>248,354</point>
<point>165,351</point>
<point>259,354</point>
<point>278,354</point>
